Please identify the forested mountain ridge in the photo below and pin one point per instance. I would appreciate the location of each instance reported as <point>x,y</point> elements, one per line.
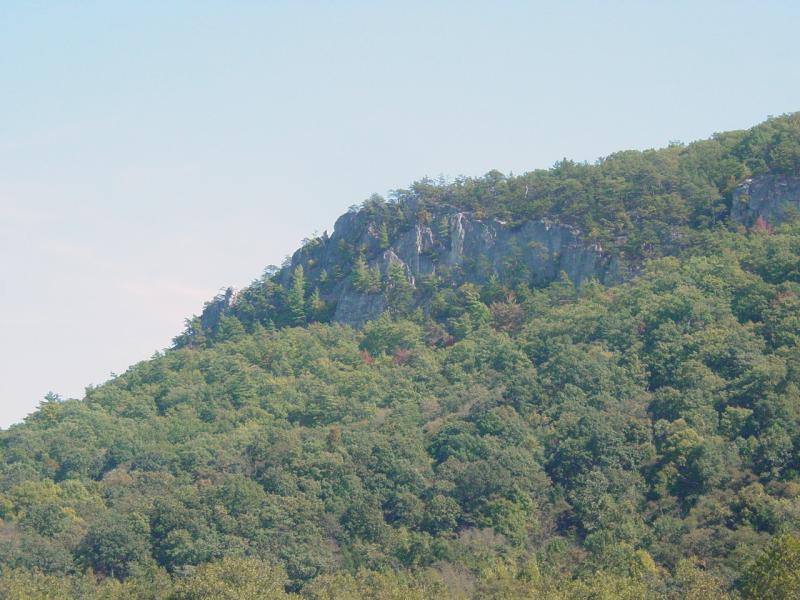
<point>490,429</point>
<point>597,221</point>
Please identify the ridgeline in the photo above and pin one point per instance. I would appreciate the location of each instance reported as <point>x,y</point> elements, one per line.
<point>581,382</point>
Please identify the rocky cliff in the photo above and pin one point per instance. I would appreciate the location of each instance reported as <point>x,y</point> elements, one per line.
<point>773,198</point>
<point>505,233</point>
<point>443,243</point>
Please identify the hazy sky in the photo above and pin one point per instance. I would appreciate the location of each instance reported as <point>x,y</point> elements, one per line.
<point>153,152</point>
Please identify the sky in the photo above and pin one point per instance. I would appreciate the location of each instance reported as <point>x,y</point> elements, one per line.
<point>153,152</point>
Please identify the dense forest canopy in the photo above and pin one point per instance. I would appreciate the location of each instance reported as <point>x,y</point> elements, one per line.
<point>679,185</point>
<point>482,438</point>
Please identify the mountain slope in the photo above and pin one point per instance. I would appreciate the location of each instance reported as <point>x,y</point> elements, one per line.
<point>589,221</point>
<point>489,429</point>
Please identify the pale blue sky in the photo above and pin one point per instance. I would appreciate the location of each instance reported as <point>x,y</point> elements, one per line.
<point>153,152</point>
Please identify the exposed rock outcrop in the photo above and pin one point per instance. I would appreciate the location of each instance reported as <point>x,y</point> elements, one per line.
<point>449,243</point>
<point>217,307</point>
<point>773,198</point>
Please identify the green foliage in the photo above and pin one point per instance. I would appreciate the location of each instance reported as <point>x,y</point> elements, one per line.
<point>232,579</point>
<point>397,290</point>
<point>776,572</point>
<point>634,205</point>
<point>385,335</point>
<point>366,279</point>
<point>296,298</point>
<point>383,237</point>
<point>114,546</point>
<point>482,438</point>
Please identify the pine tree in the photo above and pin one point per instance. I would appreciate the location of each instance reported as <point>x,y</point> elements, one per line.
<point>383,237</point>
<point>295,298</point>
<point>398,289</point>
<point>316,306</point>
<point>365,279</point>
<point>360,274</point>
<point>562,290</point>
<point>443,229</point>
<point>374,280</point>
<point>479,313</point>
<point>492,290</point>
<point>228,328</point>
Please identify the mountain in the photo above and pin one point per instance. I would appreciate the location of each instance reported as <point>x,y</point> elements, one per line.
<point>581,382</point>
<point>598,221</point>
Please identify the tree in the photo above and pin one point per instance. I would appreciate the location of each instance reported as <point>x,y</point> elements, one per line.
<point>775,574</point>
<point>296,296</point>
<point>114,545</point>
<point>479,313</point>
<point>365,279</point>
<point>399,292</point>
<point>316,306</point>
<point>383,237</point>
<point>228,328</point>
<point>234,579</point>
<point>441,514</point>
<point>385,335</point>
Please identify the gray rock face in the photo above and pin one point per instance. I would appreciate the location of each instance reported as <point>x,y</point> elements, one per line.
<point>354,308</point>
<point>453,244</point>
<point>774,198</point>
<point>541,248</point>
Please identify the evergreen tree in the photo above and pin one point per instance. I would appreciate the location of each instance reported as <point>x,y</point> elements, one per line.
<point>399,293</point>
<point>316,306</point>
<point>366,280</point>
<point>383,237</point>
<point>478,312</point>
<point>295,298</point>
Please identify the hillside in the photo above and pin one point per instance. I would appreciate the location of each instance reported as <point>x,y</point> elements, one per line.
<point>582,382</point>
